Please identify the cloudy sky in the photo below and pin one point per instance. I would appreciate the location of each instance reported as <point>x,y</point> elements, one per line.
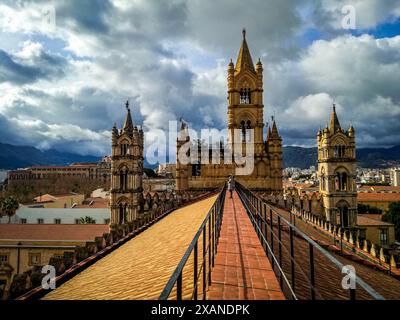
<point>67,67</point>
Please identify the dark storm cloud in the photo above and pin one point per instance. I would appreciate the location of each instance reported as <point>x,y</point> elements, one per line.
<point>30,69</point>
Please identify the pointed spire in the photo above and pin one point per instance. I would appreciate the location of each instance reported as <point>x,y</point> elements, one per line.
<point>351,131</point>
<point>184,131</point>
<point>114,129</point>
<point>244,60</point>
<point>274,132</point>
<point>128,125</point>
<point>334,124</point>
<point>269,133</point>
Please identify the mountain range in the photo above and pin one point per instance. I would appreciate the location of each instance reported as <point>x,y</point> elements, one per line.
<point>366,157</point>
<point>13,157</point>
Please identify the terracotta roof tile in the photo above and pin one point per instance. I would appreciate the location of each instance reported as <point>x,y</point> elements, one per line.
<point>364,220</point>
<point>60,232</point>
<point>369,196</point>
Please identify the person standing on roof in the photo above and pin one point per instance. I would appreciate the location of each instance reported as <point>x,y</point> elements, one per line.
<point>231,185</point>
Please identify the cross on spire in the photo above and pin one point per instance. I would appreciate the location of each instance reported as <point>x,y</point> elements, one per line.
<point>127,104</point>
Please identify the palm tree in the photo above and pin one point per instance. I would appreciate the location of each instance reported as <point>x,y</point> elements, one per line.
<point>9,207</point>
<point>87,220</point>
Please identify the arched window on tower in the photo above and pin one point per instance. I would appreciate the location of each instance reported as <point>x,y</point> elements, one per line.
<point>245,96</point>
<point>123,212</point>
<point>243,130</point>
<point>124,149</point>
<point>248,134</point>
<point>341,181</point>
<point>123,179</point>
<point>339,151</point>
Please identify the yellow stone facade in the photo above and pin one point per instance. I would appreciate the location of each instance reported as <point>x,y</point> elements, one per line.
<point>126,172</point>
<point>245,111</point>
<point>337,173</point>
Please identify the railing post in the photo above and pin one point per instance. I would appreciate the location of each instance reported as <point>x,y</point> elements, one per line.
<point>213,235</point>
<point>266,227</point>
<point>292,257</point>
<point>204,263</point>
<point>195,271</point>
<point>179,287</point>
<point>280,249</point>
<point>312,272</point>
<point>209,253</point>
<point>272,236</point>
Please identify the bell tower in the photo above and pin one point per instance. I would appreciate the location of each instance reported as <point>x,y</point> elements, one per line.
<point>337,173</point>
<point>245,99</point>
<point>127,172</point>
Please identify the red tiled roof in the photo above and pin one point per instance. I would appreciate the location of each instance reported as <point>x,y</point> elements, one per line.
<point>58,232</point>
<point>94,203</point>
<point>369,196</point>
<point>364,220</point>
<point>380,188</point>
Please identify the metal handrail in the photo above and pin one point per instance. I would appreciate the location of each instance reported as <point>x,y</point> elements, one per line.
<point>264,240</point>
<point>213,220</point>
<point>312,243</point>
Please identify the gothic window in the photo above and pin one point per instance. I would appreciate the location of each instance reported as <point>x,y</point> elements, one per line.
<point>341,181</point>
<point>339,151</point>
<point>123,212</point>
<point>243,130</point>
<point>245,96</point>
<point>123,179</point>
<point>124,149</point>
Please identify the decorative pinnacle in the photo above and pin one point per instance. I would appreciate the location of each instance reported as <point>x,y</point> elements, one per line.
<point>244,33</point>
<point>127,105</point>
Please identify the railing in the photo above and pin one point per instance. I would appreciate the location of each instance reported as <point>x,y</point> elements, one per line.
<point>348,238</point>
<point>192,276</point>
<point>296,267</point>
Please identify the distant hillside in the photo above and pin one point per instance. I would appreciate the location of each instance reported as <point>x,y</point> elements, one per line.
<point>13,157</point>
<point>366,157</point>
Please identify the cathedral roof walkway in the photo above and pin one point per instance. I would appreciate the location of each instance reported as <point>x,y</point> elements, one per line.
<point>225,260</point>
<point>140,268</point>
<point>306,270</point>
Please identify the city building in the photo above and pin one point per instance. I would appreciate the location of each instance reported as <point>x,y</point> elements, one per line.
<point>24,246</point>
<point>26,215</point>
<point>376,230</point>
<point>245,116</point>
<point>64,200</point>
<point>167,170</point>
<point>337,173</point>
<point>94,171</point>
<point>395,177</point>
<point>380,200</point>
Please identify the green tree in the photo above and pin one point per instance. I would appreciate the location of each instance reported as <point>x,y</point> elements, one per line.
<point>9,206</point>
<point>393,216</point>
<point>87,220</point>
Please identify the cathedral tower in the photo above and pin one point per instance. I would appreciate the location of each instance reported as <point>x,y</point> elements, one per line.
<point>127,172</point>
<point>263,167</point>
<point>245,98</point>
<point>337,173</point>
